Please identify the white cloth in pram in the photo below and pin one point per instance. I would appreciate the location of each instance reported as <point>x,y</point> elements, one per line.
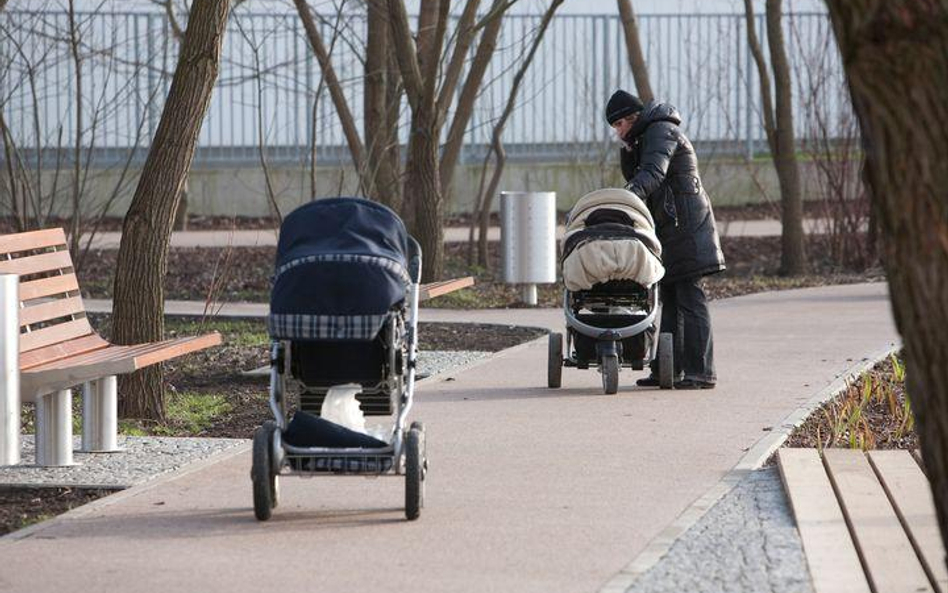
<point>610,251</point>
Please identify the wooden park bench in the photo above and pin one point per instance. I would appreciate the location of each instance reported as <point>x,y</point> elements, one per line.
<point>59,350</point>
<point>867,520</point>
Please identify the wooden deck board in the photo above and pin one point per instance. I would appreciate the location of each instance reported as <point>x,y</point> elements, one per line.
<point>911,497</point>
<point>887,555</point>
<point>830,552</point>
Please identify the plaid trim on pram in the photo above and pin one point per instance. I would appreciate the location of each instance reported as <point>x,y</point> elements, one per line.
<point>295,326</point>
<point>382,262</point>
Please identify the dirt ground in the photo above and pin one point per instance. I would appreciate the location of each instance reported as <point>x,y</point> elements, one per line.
<point>205,223</point>
<point>214,274</point>
<point>21,507</point>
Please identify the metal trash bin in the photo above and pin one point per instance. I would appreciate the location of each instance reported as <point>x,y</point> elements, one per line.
<point>528,240</point>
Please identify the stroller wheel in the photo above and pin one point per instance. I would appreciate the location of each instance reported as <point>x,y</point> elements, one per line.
<point>264,480</point>
<point>554,369</point>
<point>414,474</point>
<point>610,374</point>
<point>666,360</point>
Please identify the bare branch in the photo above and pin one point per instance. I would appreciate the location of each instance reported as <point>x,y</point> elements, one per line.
<point>465,106</point>
<point>335,89</point>
<point>484,198</point>
<point>405,51</point>
<point>633,46</point>
<point>766,98</point>
<point>465,36</point>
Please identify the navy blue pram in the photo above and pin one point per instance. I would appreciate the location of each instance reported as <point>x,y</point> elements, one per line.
<point>343,309</point>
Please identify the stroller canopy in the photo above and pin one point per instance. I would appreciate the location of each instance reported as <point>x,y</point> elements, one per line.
<point>610,235</point>
<point>341,266</point>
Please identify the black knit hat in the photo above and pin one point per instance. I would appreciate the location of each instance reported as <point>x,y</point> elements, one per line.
<point>622,104</point>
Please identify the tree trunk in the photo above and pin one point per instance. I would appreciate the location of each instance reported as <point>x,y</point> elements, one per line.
<point>378,133</point>
<point>895,55</point>
<point>778,125</point>
<point>633,47</point>
<point>422,179</point>
<point>792,253</point>
<point>138,314</point>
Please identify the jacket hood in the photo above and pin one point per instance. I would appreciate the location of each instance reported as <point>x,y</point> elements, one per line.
<point>654,112</point>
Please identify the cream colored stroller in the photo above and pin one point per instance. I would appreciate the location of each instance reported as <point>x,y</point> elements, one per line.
<point>611,267</point>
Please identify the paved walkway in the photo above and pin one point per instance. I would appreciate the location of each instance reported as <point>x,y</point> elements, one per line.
<point>530,489</point>
<point>268,237</point>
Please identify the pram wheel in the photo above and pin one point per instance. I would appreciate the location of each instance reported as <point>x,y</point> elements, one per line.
<point>554,369</point>
<point>262,474</point>
<point>666,360</point>
<point>610,373</point>
<point>414,474</point>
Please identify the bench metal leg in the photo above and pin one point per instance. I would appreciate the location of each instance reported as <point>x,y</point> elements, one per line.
<point>100,415</point>
<point>54,428</point>
<point>9,370</point>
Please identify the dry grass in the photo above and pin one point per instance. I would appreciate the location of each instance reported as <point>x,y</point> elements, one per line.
<point>873,412</point>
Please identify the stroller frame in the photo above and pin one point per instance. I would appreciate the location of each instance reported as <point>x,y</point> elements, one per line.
<point>609,354</point>
<point>404,456</point>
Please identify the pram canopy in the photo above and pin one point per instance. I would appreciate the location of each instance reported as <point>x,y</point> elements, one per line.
<point>341,267</point>
<point>610,235</point>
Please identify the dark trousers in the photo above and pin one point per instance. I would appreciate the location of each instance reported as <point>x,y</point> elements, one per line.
<point>685,315</point>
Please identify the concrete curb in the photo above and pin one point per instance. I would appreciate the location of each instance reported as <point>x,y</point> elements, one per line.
<point>753,459</point>
<point>121,495</point>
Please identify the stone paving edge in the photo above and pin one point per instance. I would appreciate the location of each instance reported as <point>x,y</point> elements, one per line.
<point>753,459</point>
<point>121,495</point>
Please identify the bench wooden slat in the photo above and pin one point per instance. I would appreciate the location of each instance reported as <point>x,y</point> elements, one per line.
<point>50,310</point>
<point>111,360</point>
<point>29,240</point>
<point>142,354</point>
<point>830,552</point>
<point>35,264</point>
<point>887,555</point>
<point>434,289</point>
<point>61,350</point>
<point>44,287</point>
<point>910,495</point>
<point>60,332</point>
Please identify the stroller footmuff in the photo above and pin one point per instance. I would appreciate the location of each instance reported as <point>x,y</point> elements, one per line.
<point>611,265</point>
<point>343,312</point>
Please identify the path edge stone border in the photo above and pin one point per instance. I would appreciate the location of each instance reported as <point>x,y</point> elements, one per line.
<point>121,495</point>
<point>753,459</point>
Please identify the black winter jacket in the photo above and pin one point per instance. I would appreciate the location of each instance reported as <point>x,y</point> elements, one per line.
<point>660,167</point>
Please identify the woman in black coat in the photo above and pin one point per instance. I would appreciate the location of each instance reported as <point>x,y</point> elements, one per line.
<point>660,166</point>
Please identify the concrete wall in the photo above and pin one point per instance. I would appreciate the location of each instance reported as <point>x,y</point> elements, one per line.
<point>240,191</point>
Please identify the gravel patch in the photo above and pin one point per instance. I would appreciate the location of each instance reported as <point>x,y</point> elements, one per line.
<point>435,362</point>
<point>141,459</point>
<point>746,543</point>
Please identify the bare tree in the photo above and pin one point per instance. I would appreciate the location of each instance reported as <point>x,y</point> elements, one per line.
<point>778,125</point>
<point>484,197</point>
<point>633,47</point>
<point>138,314</point>
<point>895,55</point>
<point>429,90</point>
